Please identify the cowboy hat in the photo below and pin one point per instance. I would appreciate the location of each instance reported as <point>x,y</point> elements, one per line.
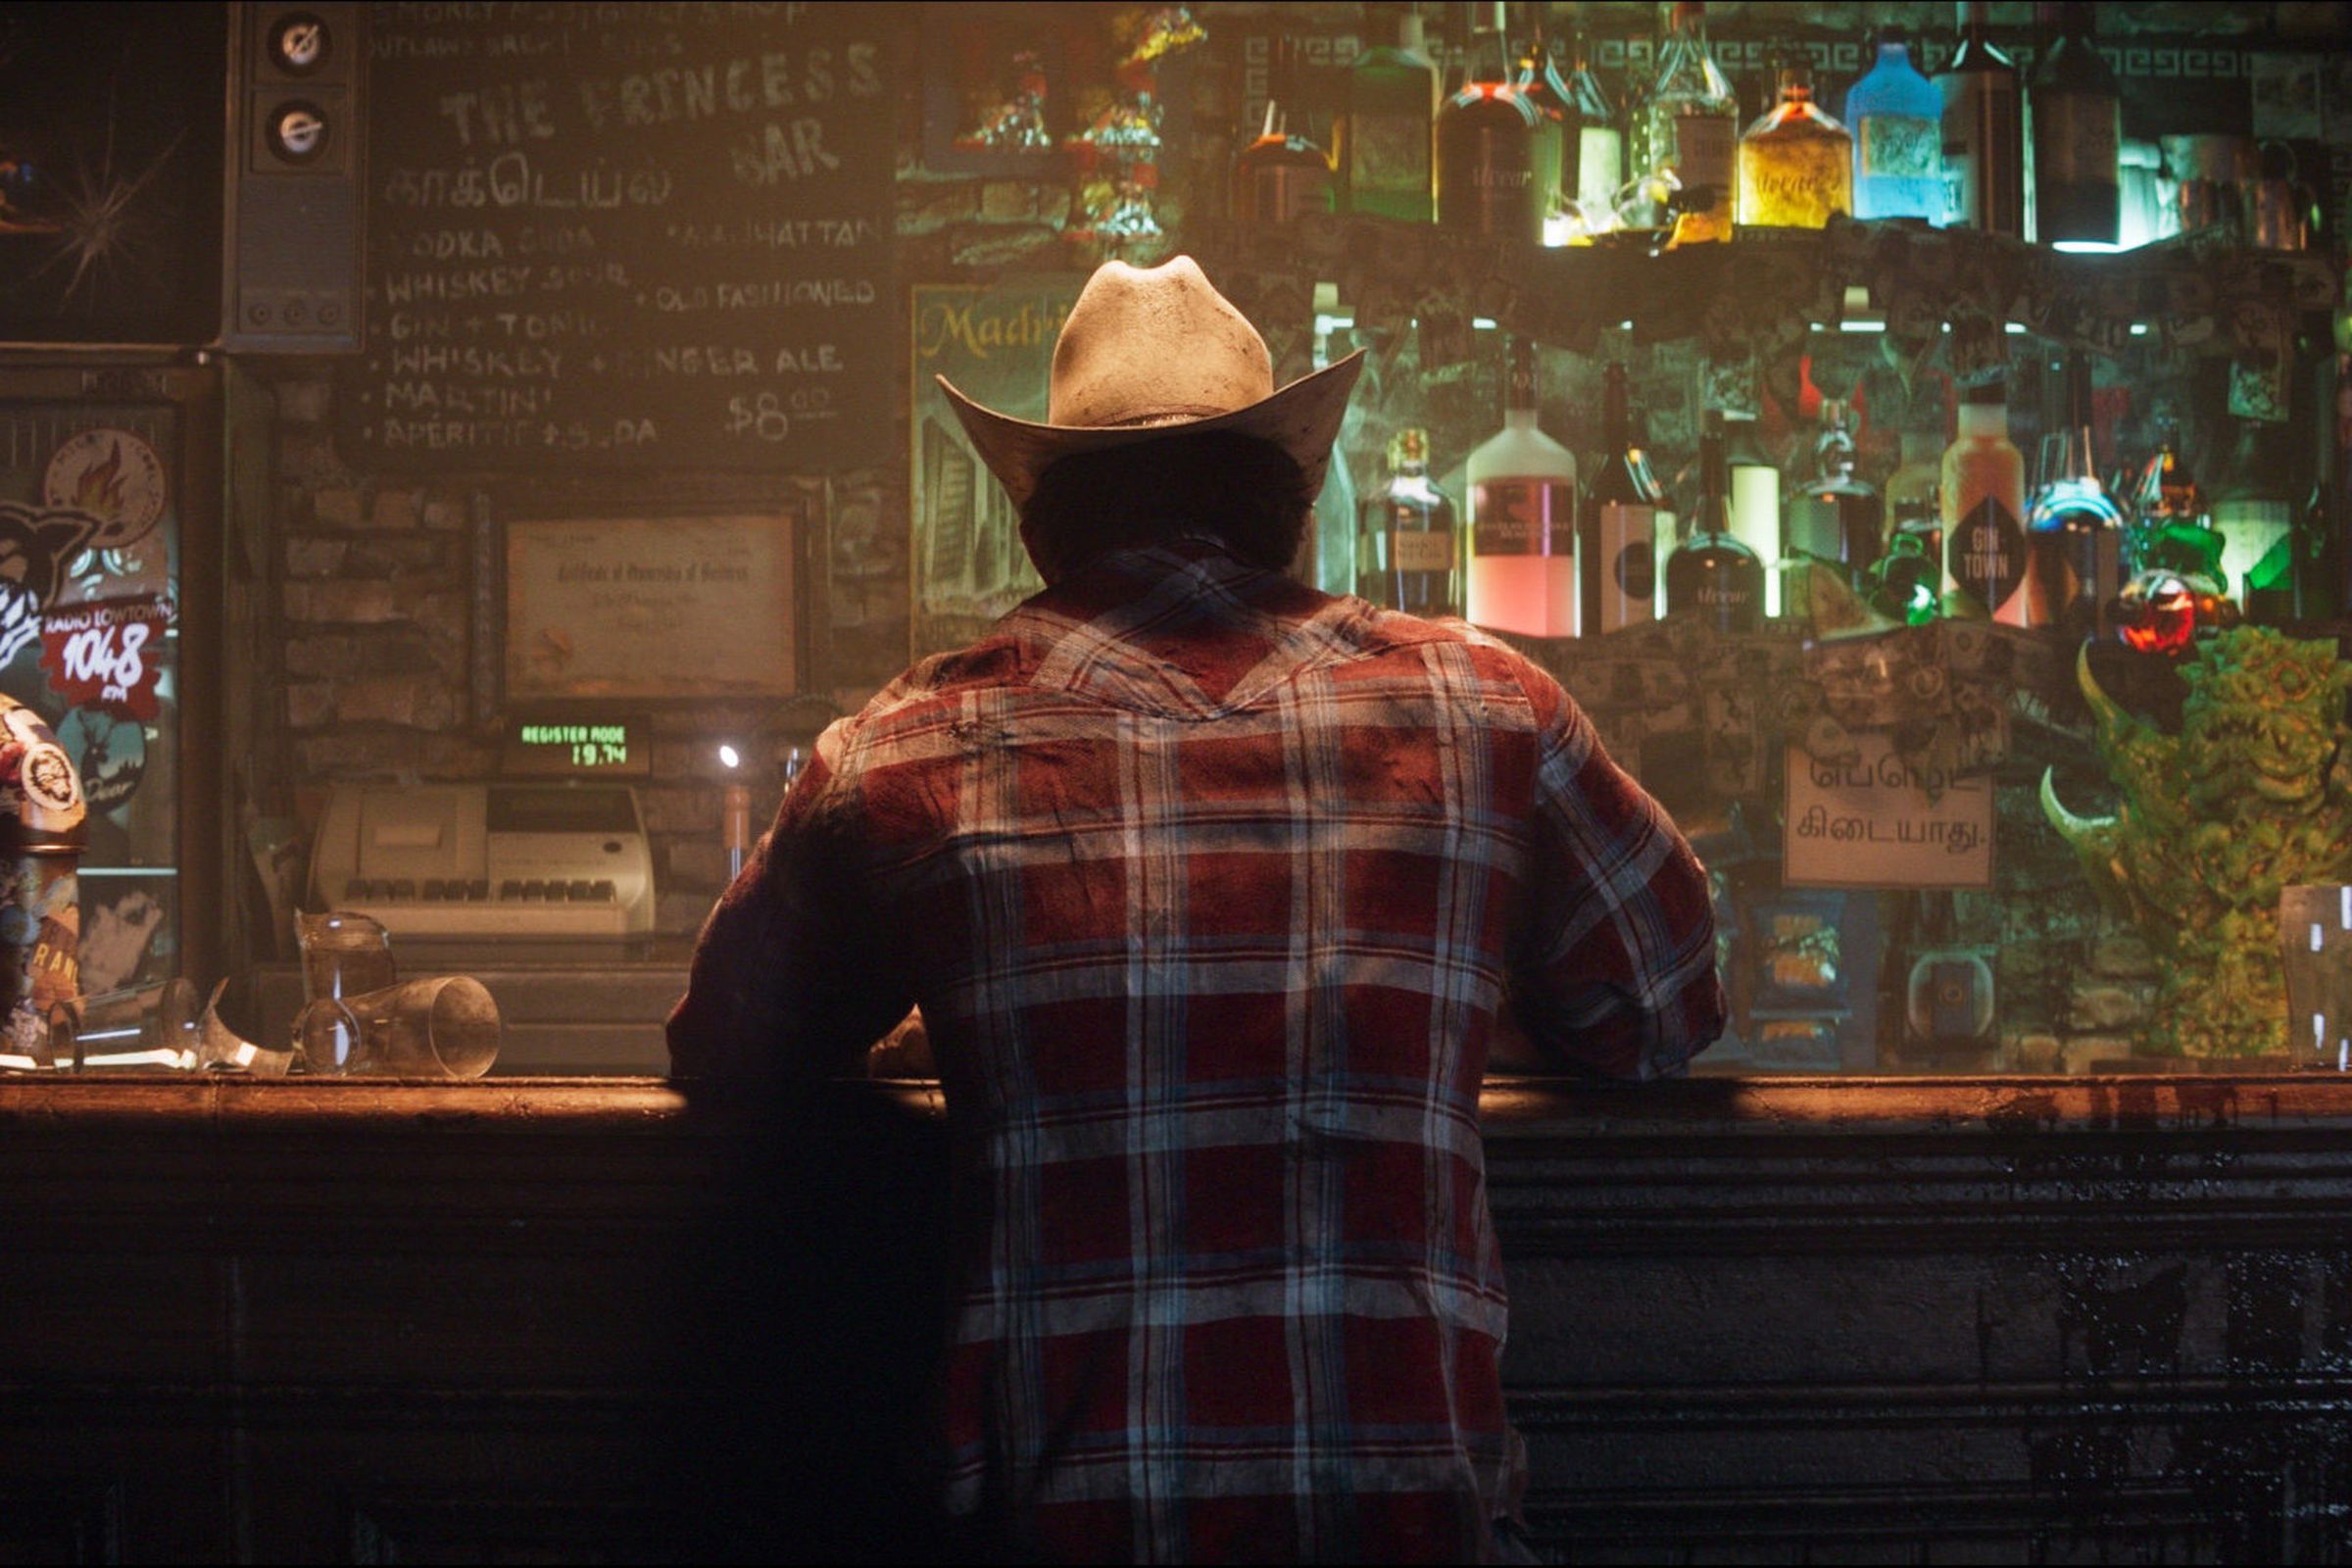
<point>1152,352</point>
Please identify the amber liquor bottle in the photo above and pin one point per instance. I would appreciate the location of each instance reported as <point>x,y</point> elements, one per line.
<point>1407,550</point>
<point>1281,176</point>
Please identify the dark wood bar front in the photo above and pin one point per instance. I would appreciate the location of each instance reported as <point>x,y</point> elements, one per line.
<point>1924,1319</point>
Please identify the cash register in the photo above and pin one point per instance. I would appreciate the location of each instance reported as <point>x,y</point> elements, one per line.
<point>557,854</point>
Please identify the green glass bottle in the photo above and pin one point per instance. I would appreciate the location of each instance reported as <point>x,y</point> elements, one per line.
<point>1384,131</point>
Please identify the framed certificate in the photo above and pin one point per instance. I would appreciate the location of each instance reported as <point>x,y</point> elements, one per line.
<point>650,609</point>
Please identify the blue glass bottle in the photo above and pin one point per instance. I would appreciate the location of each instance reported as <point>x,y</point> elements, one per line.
<point>1897,115</point>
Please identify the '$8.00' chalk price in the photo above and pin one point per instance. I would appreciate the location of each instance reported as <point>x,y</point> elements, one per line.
<point>768,416</point>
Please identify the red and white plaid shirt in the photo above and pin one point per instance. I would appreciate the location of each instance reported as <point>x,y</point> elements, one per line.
<point>1210,888</point>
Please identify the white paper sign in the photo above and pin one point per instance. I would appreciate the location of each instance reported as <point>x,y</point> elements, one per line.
<point>1871,823</point>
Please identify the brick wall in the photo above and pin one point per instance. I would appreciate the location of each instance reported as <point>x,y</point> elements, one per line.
<point>365,630</point>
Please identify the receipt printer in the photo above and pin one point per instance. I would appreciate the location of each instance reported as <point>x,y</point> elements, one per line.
<point>468,862</point>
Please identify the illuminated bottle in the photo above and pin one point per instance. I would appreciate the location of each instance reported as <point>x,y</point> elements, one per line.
<point>1713,576</point>
<point>2073,530</point>
<point>1279,175</point>
<point>1538,80</point>
<point>1756,496</point>
<point>1689,124</point>
<point>1796,164</point>
<point>1405,548</point>
<point>1523,536</point>
<point>1911,572</point>
<point>1384,135</point>
<point>1834,516</point>
<point>1983,131</point>
<point>1487,148</point>
<point>1594,147</point>
<point>1984,502</point>
<point>1897,117</point>
<point>1621,522</point>
<point>2170,530</point>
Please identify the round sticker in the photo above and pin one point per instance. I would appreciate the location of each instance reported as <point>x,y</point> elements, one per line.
<point>113,475</point>
<point>110,751</point>
<point>47,777</point>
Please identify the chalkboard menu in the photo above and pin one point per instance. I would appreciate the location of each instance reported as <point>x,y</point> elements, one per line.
<point>627,236</point>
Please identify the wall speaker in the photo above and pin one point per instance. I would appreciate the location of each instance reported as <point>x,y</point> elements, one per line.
<point>296,165</point>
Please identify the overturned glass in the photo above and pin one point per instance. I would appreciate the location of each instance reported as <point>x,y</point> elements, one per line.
<point>138,1026</point>
<point>446,1026</point>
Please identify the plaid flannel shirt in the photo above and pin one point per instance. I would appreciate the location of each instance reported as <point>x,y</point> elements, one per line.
<point>1211,888</point>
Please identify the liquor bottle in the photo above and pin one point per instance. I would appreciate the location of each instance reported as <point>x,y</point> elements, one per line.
<point>1538,82</point>
<point>1665,525</point>
<point>1523,536</point>
<point>1983,497</point>
<point>2256,520</point>
<point>2170,529</point>
<point>1834,516</point>
<point>1756,496</point>
<point>2074,530</point>
<point>1689,124</point>
<point>1897,115</point>
<point>1280,175</point>
<point>1983,131</point>
<point>1383,138</point>
<point>1713,576</point>
<point>1486,136</point>
<point>1620,536</point>
<point>1596,147</point>
<point>2078,139</point>
<point>1911,572</point>
<point>1796,164</point>
<point>1406,550</point>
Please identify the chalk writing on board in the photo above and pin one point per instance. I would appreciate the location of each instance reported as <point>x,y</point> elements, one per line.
<point>1878,822</point>
<point>639,235</point>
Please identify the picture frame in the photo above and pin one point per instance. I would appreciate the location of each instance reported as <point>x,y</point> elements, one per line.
<point>661,609</point>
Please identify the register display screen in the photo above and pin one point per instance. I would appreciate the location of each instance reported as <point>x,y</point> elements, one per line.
<point>550,747</point>
<point>560,811</point>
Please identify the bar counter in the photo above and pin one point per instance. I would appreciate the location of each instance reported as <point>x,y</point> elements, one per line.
<point>2019,1319</point>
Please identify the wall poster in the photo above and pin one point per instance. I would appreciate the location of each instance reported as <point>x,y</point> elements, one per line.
<point>650,608</point>
<point>996,343</point>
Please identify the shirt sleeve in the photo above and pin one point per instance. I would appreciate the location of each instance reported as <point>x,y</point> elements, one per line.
<point>1615,972</point>
<point>791,978</point>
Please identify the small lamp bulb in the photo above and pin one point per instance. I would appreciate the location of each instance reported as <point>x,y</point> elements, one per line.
<point>728,757</point>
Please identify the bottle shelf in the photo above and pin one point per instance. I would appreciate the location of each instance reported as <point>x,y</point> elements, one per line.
<point>2202,293</point>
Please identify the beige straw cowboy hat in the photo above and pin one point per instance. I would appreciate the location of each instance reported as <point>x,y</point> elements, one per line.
<point>1152,352</point>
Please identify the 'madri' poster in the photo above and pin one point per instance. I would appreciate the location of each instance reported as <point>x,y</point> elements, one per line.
<point>996,343</point>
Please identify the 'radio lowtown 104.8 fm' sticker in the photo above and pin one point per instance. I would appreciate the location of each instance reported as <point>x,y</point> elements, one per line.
<point>107,653</point>
<point>115,478</point>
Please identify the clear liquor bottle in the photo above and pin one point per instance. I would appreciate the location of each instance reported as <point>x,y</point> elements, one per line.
<point>1537,77</point>
<point>1281,176</point>
<point>1713,576</point>
<point>1834,516</point>
<point>1523,534</point>
<point>1897,117</point>
<point>1384,130</point>
<point>2078,139</point>
<point>1594,146</point>
<point>1689,124</point>
<point>1983,131</point>
<point>1797,163</point>
<point>1621,520</point>
<point>1755,496</point>
<point>1983,497</point>
<point>1487,140</point>
<point>1407,550</point>
<point>2074,530</point>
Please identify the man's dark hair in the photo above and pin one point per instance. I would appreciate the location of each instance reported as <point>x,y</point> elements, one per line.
<point>1243,491</point>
